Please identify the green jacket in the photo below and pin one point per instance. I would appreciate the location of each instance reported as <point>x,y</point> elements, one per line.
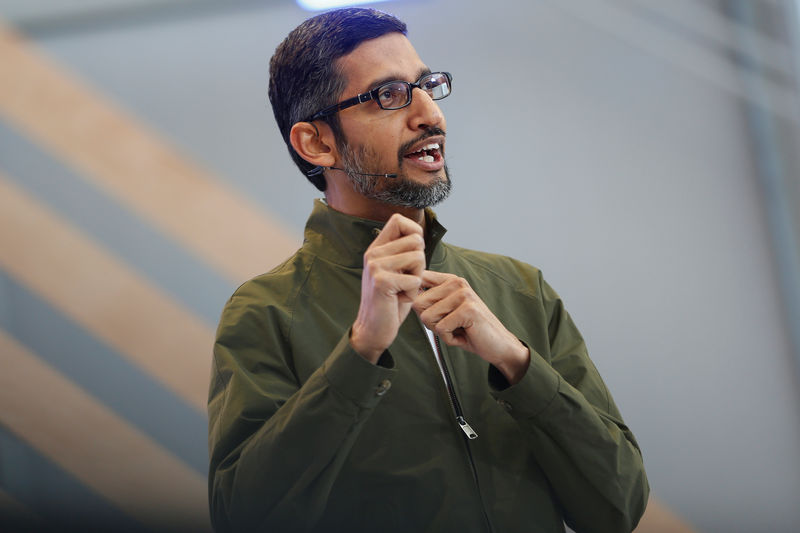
<point>306,435</point>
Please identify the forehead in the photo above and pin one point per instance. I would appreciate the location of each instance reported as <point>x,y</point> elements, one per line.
<point>385,58</point>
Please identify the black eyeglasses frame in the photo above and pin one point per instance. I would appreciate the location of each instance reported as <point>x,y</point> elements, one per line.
<point>373,95</point>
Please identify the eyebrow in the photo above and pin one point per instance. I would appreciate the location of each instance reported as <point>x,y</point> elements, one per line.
<point>394,77</point>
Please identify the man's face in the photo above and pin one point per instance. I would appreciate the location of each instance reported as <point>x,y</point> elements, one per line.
<point>379,141</point>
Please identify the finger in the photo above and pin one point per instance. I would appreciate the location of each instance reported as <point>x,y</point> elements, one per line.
<point>412,262</point>
<point>435,287</point>
<point>402,244</point>
<point>437,310</point>
<point>398,226</point>
<point>458,321</point>
<point>431,278</point>
<point>457,338</point>
<point>438,285</point>
<point>398,284</point>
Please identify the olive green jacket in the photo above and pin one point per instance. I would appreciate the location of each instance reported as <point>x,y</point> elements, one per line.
<point>306,435</point>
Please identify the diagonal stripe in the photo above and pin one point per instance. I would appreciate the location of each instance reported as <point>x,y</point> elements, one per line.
<point>46,254</point>
<point>87,440</point>
<point>108,147</point>
<point>112,225</point>
<point>46,498</point>
<point>103,373</point>
<point>658,518</point>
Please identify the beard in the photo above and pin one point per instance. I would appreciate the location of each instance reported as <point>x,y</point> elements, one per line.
<point>400,191</point>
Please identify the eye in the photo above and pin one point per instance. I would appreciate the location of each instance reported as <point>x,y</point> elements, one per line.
<point>436,85</point>
<point>431,83</point>
<point>385,95</point>
<point>392,95</point>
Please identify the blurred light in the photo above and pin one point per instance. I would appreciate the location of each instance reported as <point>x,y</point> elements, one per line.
<point>319,5</point>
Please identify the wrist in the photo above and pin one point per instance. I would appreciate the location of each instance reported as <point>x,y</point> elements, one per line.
<point>361,347</point>
<point>514,365</point>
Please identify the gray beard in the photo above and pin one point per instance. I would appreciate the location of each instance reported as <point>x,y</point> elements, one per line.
<point>399,191</point>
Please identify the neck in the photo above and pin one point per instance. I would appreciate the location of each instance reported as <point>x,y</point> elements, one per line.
<point>347,201</point>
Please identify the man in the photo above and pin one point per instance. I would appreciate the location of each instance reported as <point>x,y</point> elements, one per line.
<point>380,379</point>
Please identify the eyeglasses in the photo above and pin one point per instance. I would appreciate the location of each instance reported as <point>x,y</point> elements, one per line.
<point>395,94</point>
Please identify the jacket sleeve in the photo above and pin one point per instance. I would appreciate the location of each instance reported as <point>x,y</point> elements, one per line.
<point>276,445</point>
<point>575,430</point>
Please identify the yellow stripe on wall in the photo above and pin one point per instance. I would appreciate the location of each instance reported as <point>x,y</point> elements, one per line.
<point>47,254</point>
<point>659,519</point>
<point>133,164</point>
<point>87,440</point>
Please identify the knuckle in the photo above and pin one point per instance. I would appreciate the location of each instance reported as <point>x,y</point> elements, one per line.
<point>397,220</point>
<point>383,283</point>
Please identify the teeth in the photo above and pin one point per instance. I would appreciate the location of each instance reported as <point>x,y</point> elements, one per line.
<point>425,157</point>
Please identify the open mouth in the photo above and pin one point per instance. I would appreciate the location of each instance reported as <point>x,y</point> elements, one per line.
<point>430,153</point>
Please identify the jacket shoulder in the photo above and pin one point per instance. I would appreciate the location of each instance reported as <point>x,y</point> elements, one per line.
<point>502,269</point>
<point>269,293</point>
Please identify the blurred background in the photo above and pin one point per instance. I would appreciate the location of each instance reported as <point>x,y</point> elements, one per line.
<point>643,154</point>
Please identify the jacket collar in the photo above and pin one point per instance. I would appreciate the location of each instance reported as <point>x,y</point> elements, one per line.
<point>343,239</point>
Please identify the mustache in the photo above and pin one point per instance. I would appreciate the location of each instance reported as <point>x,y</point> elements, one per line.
<point>430,132</point>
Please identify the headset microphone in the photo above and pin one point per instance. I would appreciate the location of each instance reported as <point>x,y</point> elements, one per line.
<point>316,171</point>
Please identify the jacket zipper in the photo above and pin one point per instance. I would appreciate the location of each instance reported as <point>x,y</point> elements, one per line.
<point>463,424</point>
<point>451,392</point>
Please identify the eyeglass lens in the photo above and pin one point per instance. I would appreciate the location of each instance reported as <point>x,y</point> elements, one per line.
<point>397,94</point>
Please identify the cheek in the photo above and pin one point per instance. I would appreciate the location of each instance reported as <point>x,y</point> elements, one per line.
<point>383,136</point>
<point>383,145</point>
<point>380,138</point>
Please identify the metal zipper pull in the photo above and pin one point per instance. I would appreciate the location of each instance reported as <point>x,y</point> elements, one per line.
<point>451,391</point>
<point>466,428</point>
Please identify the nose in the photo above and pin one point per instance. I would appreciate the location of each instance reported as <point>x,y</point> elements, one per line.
<point>424,112</point>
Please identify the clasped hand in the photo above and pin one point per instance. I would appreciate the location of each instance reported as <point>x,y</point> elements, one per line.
<point>395,281</point>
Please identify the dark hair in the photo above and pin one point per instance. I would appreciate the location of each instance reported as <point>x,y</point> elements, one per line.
<point>303,73</point>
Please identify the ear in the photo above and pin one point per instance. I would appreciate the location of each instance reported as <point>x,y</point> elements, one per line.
<point>315,144</point>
